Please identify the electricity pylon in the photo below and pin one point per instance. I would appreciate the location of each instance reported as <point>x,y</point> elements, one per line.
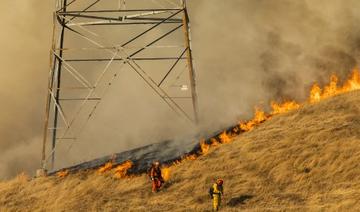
<point>138,32</point>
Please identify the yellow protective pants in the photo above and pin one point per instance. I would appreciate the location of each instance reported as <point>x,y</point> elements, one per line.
<point>216,201</point>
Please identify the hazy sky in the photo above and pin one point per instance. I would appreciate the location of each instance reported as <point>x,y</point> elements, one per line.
<point>246,52</point>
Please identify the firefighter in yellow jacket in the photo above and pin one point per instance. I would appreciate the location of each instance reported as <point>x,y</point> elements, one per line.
<point>216,191</point>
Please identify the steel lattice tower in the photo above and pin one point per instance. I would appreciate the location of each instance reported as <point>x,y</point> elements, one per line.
<point>84,21</point>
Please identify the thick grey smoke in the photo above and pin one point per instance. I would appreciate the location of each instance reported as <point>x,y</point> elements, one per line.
<point>247,52</point>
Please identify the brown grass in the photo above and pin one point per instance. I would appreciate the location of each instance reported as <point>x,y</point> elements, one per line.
<point>304,160</point>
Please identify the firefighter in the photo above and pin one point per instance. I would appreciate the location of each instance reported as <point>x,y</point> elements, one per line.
<point>216,191</point>
<point>156,177</point>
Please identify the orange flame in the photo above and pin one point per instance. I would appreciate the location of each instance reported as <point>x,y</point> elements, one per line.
<point>259,117</point>
<point>204,147</point>
<point>353,83</point>
<point>332,89</point>
<point>190,157</point>
<point>225,138</point>
<point>122,169</point>
<point>63,173</point>
<point>107,167</point>
<point>283,107</point>
<point>214,142</point>
<point>316,94</point>
<point>165,173</point>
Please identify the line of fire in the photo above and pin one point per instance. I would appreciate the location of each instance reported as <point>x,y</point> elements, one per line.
<point>169,47</point>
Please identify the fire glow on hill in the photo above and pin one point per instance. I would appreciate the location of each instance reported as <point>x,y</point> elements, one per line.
<point>317,94</point>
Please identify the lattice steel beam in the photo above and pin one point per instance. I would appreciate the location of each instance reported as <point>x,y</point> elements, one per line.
<point>83,24</point>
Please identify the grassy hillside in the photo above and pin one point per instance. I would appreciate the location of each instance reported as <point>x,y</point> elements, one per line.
<point>307,159</point>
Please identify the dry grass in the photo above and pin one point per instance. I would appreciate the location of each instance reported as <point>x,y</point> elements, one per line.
<point>304,160</point>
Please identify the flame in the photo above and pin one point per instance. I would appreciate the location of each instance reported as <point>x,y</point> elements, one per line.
<point>204,147</point>
<point>259,117</point>
<point>214,142</point>
<point>165,173</point>
<point>107,167</point>
<point>225,137</point>
<point>63,173</point>
<point>122,169</point>
<point>353,83</point>
<point>332,89</point>
<point>191,157</point>
<point>283,107</point>
<point>316,94</point>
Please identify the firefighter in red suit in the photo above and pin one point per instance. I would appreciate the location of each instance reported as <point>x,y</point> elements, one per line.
<point>156,177</point>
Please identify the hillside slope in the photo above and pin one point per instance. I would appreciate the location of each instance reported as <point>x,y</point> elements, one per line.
<point>307,159</point>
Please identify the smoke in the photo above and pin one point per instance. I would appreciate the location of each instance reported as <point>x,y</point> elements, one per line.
<point>246,52</point>
<point>23,157</point>
<point>24,58</point>
<point>250,52</point>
